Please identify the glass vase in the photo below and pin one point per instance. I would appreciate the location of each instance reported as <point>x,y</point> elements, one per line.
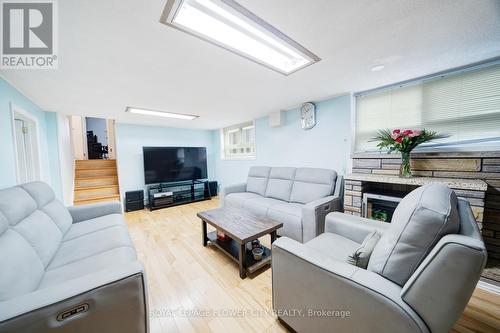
<point>405,170</point>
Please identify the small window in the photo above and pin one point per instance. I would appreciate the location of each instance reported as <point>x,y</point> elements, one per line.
<point>238,142</point>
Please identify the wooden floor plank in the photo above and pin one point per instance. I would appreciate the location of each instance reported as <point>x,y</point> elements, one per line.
<point>183,275</point>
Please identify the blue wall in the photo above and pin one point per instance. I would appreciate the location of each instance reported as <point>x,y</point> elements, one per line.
<point>47,126</point>
<point>324,146</point>
<point>131,138</point>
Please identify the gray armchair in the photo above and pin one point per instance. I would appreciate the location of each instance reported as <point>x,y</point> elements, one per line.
<point>419,278</point>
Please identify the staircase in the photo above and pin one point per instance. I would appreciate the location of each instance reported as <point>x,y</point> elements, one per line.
<point>95,181</point>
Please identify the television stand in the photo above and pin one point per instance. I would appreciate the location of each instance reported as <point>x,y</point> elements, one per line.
<point>172,194</point>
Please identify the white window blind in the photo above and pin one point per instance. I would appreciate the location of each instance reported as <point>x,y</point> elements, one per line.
<point>239,141</point>
<point>463,105</point>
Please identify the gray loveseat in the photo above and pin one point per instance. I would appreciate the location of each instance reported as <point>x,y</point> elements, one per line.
<point>419,277</point>
<point>67,269</point>
<point>300,198</point>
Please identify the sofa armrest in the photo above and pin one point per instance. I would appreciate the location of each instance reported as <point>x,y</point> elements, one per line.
<point>314,213</point>
<point>118,292</point>
<point>353,227</point>
<point>91,211</point>
<point>306,280</point>
<point>235,188</point>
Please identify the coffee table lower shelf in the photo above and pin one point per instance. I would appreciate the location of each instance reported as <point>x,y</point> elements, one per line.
<point>231,248</point>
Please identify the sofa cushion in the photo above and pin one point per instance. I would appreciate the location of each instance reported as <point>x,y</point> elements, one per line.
<point>333,246</point>
<point>46,201</point>
<point>41,233</point>
<point>257,179</point>
<point>91,264</point>
<point>90,245</point>
<point>280,183</point>
<point>93,225</point>
<point>4,224</point>
<point>59,214</point>
<point>41,192</point>
<point>259,206</point>
<point>16,204</point>
<point>290,214</point>
<point>421,219</point>
<point>21,268</point>
<point>311,184</point>
<point>237,199</point>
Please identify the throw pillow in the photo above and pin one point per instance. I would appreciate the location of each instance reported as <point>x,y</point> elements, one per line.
<point>362,255</point>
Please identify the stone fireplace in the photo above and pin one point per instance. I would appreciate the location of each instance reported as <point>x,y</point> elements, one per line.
<point>474,176</point>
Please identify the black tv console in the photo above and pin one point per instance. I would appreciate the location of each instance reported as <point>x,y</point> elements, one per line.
<point>178,193</point>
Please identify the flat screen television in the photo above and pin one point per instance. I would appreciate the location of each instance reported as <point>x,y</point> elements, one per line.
<point>173,164</point>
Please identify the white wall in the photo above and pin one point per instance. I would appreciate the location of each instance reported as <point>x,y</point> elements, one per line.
<point>327,145</point>
<point>131,138</point>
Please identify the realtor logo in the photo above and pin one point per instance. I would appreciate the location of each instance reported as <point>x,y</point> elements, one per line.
<point>28,34</point>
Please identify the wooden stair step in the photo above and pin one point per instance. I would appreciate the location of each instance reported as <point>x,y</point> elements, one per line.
<point>90,173</point>
<point>99,199</point>
<point>94,187</point>
<point>94,164</point>
<point>96,192</point>
<point>96,181</point>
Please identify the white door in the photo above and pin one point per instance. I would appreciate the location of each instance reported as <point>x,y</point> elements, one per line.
<point>26,146</point>
<point>79,137</point>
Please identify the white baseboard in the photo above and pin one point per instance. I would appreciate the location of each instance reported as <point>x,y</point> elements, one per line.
<point>488,287</point>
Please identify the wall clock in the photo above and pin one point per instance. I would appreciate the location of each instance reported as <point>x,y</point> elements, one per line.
<point>308,115</point>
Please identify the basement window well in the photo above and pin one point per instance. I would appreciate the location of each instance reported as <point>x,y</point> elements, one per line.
<point>229,25</point>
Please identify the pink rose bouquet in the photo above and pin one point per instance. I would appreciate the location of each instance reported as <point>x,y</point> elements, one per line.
<point>404,141</point>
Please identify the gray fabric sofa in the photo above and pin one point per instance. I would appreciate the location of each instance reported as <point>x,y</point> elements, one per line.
<point>420,276</point>
<point>300,198</point>
<point>67,269</point>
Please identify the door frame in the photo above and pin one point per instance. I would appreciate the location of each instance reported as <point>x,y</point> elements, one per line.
<point>82,136</point>
<point>17,110</point>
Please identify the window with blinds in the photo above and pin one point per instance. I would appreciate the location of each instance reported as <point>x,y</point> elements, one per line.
<point>239,141</point>
<point>464,105</point>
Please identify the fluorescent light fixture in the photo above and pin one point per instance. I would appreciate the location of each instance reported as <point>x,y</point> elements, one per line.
<point>229,25</point>
<point>160,113</point>
<point>377,68</point>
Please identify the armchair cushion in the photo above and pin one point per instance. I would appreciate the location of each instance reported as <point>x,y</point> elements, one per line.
<point>421,219</point>
<point>333,246</point>
<point>362,254</point>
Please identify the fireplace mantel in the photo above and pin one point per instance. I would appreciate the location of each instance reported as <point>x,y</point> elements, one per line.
<point>459,184</point>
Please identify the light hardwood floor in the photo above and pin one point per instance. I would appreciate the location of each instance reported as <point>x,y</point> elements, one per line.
<point>184,276</point>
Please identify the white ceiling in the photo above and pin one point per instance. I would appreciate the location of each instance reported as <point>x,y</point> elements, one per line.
<point>115,53</point>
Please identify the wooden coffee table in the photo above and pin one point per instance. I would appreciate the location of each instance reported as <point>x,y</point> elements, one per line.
<point>241,227</point>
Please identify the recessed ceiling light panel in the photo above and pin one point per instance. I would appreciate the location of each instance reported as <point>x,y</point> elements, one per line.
<point>160,113</point>
<point>227,24</point>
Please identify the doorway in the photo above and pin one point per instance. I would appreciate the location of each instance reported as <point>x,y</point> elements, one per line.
<point>26,145</point>
<point>93,138</point>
